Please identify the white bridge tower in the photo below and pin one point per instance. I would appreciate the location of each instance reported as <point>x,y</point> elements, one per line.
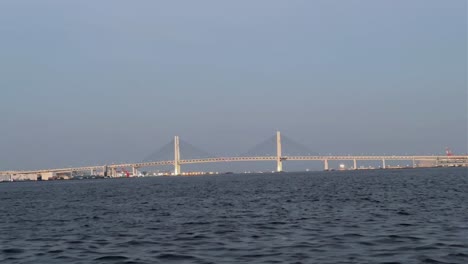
<point>176,156</point>
<point>279,159</point>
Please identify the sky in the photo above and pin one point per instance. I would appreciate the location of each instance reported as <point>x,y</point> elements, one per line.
<point>95,82</point>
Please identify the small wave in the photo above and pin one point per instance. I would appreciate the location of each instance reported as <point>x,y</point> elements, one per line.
<point>405,224</point>
<point>55,251</point>
<point>13,251</point>
<point>403,213</point>
<point>111,258</point>
<point>352,235</point>
<point>432,261</point>
<point>426,247</point>
<point>458,255</point>
<point>168,257</point>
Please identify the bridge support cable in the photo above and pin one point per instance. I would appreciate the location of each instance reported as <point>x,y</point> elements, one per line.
<point>293,148</point>
<point>285,147</point>
<point>164,153</point>
<point>176,150</point>
<point>190,151</point>
<point>265,148</point>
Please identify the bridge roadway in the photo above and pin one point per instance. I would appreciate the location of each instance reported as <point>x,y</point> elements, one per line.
<point>244,159</point>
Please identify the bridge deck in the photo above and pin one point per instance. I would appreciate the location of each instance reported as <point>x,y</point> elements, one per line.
<point>247,159</point>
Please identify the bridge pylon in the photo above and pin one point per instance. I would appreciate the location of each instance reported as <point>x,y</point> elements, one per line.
<point>279,159</point>
<point>176,156</point>
<point>325,165</point>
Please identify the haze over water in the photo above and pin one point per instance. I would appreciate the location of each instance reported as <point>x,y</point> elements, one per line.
<point>100,82</point>
<point>380,216</point>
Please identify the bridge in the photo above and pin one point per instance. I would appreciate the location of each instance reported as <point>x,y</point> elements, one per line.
<point>177,162</point>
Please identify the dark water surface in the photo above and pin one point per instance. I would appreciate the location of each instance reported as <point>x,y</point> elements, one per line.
<point>382,216</point>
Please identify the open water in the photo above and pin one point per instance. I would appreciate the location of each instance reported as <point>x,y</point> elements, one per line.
<point>381,216</point>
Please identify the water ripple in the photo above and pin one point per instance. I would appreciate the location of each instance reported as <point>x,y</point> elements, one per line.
<point>385,216</point>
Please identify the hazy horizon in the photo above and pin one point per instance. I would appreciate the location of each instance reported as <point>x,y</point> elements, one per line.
<point>87,82</point>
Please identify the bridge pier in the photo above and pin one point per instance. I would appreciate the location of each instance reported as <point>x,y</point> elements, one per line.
<point>176,156</point>
<point>414,163</point>
<point>325,164</point>
<point>383,164</point>
<point>279,159</point>
<point>135,171</point>
<point>104,170</point>
<point>355,164</point>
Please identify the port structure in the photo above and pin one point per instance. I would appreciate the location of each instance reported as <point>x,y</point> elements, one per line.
<point>111,170</point>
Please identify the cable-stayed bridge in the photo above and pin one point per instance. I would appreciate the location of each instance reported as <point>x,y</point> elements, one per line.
<point>170,155</point>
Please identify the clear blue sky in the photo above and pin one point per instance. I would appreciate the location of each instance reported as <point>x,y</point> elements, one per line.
<point>89,82</point>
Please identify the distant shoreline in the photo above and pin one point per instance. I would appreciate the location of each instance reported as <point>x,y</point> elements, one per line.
<point>79,178</point>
